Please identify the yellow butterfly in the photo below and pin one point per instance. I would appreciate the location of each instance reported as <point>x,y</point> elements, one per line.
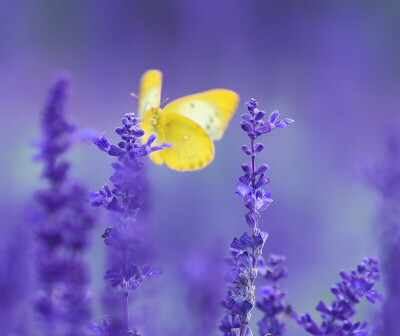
<point>189,124</point>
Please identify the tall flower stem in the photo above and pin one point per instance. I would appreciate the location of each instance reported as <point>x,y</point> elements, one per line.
<point>62,224</point>
<point>124,201</point>
<point>246,250</point>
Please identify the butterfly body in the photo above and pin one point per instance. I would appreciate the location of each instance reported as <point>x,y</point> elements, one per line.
<point>152,117</point>
<point>189,124</point>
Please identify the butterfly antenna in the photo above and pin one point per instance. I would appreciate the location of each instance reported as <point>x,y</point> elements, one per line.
<point>135,95</point>
<point>165,100</point>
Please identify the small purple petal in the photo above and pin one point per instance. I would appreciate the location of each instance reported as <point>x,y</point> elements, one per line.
<point>265,128</point>
<point>258,147</point>
<point>246,150</point>
<point>246,126</point>
<point>273,117</point>
<point>259,115</point>
<point>102,143</point>
<point>151,139</point>
<point>115,151</point>
<point>262,169</point>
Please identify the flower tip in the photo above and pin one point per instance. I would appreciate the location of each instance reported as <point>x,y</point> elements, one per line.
<point>274,115</point>
<point>101,142</point>
<point>288,121</point>
<point>252,105</point>
<point>151,139</point>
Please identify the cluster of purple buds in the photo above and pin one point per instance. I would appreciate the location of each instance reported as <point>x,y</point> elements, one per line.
<point>246,251</point>
<point>337,319</point>
<point>271,298</point>
<point>124,200</point>
<point>127,181</point>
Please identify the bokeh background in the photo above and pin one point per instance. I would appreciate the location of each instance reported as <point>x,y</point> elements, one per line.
<point>333,66</point>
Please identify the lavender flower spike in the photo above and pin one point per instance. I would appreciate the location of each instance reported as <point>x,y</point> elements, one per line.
<point>337,319</point>
<point>62,225</point>
<point>124,200</point>
<point>246,251</point>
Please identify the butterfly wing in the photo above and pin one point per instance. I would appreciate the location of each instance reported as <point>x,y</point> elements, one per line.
<point>150,91</point>
<point>192,148</point>
<point>212,109</point>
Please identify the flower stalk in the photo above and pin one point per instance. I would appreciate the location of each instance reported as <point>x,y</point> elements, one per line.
<point>246,250</point>
<point>62,224</point>
<point>124,201</point>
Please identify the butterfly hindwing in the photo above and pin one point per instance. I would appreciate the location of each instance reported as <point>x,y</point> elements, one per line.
<point>212,109</point>
<point>192,148</point>
<point>150,91</point>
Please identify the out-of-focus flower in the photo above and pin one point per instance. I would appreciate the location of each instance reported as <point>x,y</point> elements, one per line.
<point>125,201</point>
<point>62,224</point>
<point>201,273</point>
<point>271,298</point>
<point>337,319</point>
<point>246,251</point>
<point>384,176</point>
<point>15,279</point>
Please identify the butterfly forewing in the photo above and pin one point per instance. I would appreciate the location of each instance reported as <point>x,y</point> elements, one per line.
<point>150,91</point>
<point>212,109</point>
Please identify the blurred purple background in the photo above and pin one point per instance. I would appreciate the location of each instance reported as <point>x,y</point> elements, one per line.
<point>332,66</point>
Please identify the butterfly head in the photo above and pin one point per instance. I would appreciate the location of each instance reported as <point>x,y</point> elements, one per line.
<point>152,117</point>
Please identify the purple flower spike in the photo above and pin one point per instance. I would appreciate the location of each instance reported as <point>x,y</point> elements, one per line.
<point>254,176</point>
<point>246,251</point>
<point>62,226</point>
<point>124,199</point>
<point>337,319</point>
